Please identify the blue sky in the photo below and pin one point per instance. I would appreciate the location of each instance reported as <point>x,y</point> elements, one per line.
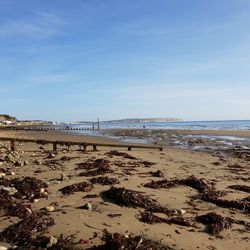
<point>76,60</point>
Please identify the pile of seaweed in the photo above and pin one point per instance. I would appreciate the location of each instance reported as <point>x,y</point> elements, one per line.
<point>77,187</point>
<point>90,164</point>
<point>150,218</point>
<point>104,180</point>
<point>101,166</point>
<point>122,154</point>
<point>238,152</point>
<point>25,188</point>
<point>157,173</point>
<point>243,188</point>
<point>118,241</point>
<point>215,223</point>
<point>12,206</point>
<point>130,198</point>
<point>22,233</point>
<point>206,191</point>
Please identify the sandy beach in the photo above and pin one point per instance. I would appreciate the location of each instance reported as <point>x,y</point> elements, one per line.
<point>193,184</point>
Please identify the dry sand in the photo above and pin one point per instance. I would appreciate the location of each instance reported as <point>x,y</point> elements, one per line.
<point>174,163</point>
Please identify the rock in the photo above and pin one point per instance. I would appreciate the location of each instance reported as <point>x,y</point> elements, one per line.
<point>50,209</point>
<point>18,164</point>
<point>2,175</point>
<point>10,190</point>
<point>36,200</point>
<point>87,206</point>
<point>52,241</point>
<point>182,211</point>
<point>64,177</point>
<point>13,173</point>
<point>38,162</point>
<point>25,162</point>
<point>42,190</point>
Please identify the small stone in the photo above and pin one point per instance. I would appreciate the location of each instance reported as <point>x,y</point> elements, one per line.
<point>182,211</point>
<point>25,162</point>
<point>52,241</point>
<point>64,177</point>
<point>13,173</point>
<point>50,208</point>
<point>36,200</point>
<point>88,206</point>
<point>42,190</point>
<point>38,162</point>
<point>2,175</point>
<point>10,190</point>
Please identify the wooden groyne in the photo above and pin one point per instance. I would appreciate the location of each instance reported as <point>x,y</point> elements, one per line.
<point>43,128</point>
<point>82,145</point>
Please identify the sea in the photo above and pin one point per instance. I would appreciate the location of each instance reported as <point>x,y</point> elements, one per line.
<point>186,125</point>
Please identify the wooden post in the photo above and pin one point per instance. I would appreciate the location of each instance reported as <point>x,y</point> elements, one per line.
<point>84,147</point>
<point>98,124</point>
<point>129,148</point>
<point>54,146</point>
<point>94,148</point>
<point>12,145</point>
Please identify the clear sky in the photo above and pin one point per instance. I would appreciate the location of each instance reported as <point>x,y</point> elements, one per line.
<point>70,60</point>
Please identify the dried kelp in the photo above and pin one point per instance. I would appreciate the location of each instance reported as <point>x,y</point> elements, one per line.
<point>157,173</point>
<point>22,232</point>
<point>118,241</point>
<point>150,218</point>
<point>27,187</point>
<point>130,198</point>
<point>243,188</point>
<point>98,163</point>
<point>99,171</point>
<point>215,223</point>
<point>77,187</point>
<point>13,207</point>
<point>122,154</point>
<point>104,180</point>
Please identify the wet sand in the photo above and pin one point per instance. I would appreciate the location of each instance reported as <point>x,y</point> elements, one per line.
<point>174,163</point>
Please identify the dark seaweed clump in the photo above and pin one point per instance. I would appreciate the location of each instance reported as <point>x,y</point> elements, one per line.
<point>215,223</point>
<point>130,198</point>
<point>22,233</point>
<point>118,241</point>
<point>150,218</point>
<point>78,187</point>
<point>98,163</point>
<point>122,154</point>
<point>104,180</point>
<point>27,187</point>
<point>243,188</point>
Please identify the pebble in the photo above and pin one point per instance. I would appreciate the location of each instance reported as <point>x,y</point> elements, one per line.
<point>50,208</point>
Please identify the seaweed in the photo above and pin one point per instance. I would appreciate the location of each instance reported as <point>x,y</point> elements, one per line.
<point>104,180</point>
<point>27,187</point>
<point>122,154</point>
<point>118,241</point>
<point>99,171</point>
<point>130,198</point>
<point>243,188</point>
<point>98,163</point>
<point>157,173</point>
<point>215,223</point>
<point>150,218</point>
<point>22,232</point>
<point>77,187</point>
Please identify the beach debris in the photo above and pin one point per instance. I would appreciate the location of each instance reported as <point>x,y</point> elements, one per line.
<point>243,188</point>
<point>89,196</point>
<point>77,187</point>
<point>50,209</point>
<point>122,154</point>
<point>27,187</point>
<point>13,207</point>
<point>64,177</point>
<point>87,206</point>
<point>215,222</point>
<point>22,232</point>
<point>98,163</point>
<point>101,170</point>
<point>130,198</point>
<point>150,218</point>
<point>147,164</point>
<point>38,162</point>
<point>104,180</point>
<point>114,215</point>
<point>157,173</point>
<point>118,241</point>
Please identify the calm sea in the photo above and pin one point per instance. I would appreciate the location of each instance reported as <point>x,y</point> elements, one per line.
<point>191,125</point>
